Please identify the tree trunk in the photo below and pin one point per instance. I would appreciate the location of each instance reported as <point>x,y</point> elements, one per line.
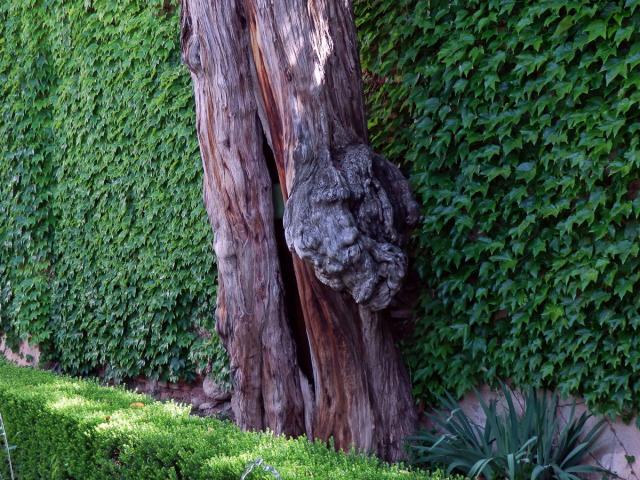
<point>288,71</point>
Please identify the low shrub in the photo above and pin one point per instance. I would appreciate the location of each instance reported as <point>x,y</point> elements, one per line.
<point>75,429</point>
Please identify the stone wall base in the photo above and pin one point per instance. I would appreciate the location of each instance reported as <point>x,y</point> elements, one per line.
<point>26,356</point>
<point>205,397</point>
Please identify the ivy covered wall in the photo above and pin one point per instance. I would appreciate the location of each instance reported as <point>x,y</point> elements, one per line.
<point>518,122</point>
<point>105,251</point>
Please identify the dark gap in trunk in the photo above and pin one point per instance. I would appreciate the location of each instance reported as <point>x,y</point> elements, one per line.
<point>291,294</point>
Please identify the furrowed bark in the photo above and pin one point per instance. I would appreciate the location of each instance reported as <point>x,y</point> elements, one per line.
<point>347,215</point>
<point>237,192</point>
<point>294,63</point>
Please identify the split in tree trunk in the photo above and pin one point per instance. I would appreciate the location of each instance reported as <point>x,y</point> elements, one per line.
<point>289,70</point>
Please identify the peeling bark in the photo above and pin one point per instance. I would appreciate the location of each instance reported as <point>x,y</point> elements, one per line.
<point>290,69</point>
<point>237,193</point>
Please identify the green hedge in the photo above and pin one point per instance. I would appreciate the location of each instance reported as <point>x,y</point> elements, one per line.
<point>65,428</point>
<point>519,124</point>
<point>106,255</point>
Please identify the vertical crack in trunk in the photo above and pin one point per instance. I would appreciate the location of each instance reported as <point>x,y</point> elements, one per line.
<point>291,294</point>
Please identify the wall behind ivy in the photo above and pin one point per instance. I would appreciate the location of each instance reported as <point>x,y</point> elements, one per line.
<point>105,250</point>
<point>518,122</point>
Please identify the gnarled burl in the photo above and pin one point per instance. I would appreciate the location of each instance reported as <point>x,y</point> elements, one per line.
<point>347,215</point>
<point>307,331</point>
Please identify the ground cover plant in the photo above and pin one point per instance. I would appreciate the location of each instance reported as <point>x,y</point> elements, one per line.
<point>66,428</point>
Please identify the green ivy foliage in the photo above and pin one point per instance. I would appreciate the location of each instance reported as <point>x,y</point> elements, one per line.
<point>516,120</point>
<point>25,173</point>
<point>105,249</point>
<point>519,123</point>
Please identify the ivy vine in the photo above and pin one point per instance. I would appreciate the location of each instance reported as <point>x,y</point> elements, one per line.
<point>105,251</point>
<point>518,122</point>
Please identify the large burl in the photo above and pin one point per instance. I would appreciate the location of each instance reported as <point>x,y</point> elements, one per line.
<point>348,214</point>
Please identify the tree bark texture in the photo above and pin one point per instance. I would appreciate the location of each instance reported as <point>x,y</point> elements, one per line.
<point>288,71</point>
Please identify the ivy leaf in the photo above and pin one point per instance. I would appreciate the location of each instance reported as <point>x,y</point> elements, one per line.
<point>596,29</point>
<point>526,171</point>
<point>565,24</point>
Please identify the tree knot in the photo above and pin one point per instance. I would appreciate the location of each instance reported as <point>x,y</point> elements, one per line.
<point>348,215</point>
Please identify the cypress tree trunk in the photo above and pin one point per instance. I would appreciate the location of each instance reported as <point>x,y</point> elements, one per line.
<point>312,353</point>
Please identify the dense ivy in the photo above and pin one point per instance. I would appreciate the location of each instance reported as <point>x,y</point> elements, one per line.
<point>105,250</point>
<point>519,122</point>
<point>26,150</point>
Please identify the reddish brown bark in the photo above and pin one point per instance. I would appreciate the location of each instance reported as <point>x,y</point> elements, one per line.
<point>290,69</point>
<point>237,192</point>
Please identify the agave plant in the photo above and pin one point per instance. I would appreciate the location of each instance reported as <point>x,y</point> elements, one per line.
<point>529,443</point>
<point>260,463</point>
